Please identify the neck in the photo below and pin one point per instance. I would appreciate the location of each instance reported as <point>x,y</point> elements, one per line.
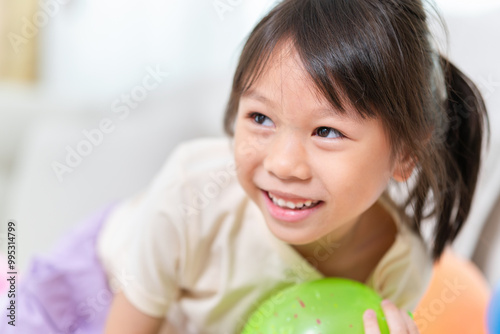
<point>354,252</point>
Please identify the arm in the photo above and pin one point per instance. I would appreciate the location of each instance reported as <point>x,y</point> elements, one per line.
<point>124,318</point>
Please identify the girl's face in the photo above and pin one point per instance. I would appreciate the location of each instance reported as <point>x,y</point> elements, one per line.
<point>292,146</point>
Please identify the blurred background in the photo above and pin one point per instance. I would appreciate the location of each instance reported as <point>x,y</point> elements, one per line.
<point>95,94</point>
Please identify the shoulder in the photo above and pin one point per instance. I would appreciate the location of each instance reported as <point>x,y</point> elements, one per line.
<point>204,165</point>
<point>187,206</point>
<point>196,180</point>
<point>203,149</point>
<point>199,177</point>
<point>403,274</point>
<point>193,157</point>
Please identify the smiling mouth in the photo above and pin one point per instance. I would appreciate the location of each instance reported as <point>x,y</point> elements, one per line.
<point>292,205</point>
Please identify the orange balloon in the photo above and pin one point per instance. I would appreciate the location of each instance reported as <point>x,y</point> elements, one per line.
<point>456,300</point>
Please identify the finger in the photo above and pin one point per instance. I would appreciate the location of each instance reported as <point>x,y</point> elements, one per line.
<point>410,324</point>
<point>397,324</point>
<point>370,322</point>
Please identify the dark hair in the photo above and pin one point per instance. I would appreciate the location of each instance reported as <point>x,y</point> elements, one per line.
<point>378,56</point>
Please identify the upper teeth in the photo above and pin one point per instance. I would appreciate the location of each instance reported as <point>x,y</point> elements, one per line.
<point>287,204</point>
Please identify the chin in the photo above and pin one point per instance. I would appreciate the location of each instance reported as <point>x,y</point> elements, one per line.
<point>289,232</point>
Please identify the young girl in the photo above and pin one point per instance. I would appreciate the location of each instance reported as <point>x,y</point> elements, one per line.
<point>332,101</point>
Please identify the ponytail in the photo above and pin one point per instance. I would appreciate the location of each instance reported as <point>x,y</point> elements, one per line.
<point>462,149</point>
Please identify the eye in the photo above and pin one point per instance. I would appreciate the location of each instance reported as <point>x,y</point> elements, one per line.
<point>260,119</point>
<point>327,132</point>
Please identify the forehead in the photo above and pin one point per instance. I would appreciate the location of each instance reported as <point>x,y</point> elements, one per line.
<point>284,62</point>
<point>285,70</point>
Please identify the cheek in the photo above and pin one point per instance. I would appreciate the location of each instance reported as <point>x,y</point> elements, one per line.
<point>246,157</point>
<point>244,151</point>
<point>376,158</point>
<point>249,147</point>
<point>375,165</point>
<point>357,177</point>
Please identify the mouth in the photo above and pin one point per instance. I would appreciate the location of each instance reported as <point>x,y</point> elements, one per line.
<point>292,204</point>
<point>288,209</point>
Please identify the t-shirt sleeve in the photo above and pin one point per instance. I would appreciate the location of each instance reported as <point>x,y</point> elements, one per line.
<point>404,272</point>
<point>153,262</point>
<point>153,266</point>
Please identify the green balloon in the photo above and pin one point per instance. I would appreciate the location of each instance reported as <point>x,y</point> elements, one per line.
<point>330,305</point>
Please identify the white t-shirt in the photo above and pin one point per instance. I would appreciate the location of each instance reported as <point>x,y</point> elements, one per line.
<point>195,249</point>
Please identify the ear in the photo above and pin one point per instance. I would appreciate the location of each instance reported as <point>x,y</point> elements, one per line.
<point>403,167</point>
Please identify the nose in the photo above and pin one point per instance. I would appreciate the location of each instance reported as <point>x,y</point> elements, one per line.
<point>287,158</point>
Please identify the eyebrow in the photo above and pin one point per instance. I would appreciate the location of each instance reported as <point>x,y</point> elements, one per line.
<point>253,94</point>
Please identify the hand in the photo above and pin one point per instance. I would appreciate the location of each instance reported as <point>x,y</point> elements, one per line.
<point>399,321</point>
